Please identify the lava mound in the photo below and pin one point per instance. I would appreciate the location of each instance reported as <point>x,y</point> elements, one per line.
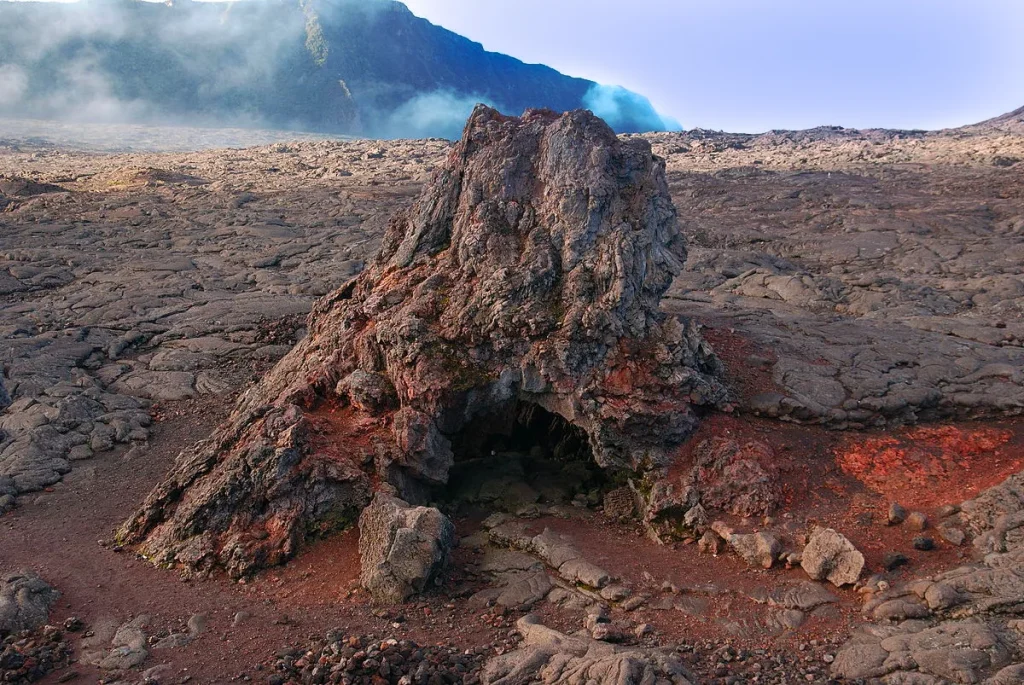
<point>527,274</point>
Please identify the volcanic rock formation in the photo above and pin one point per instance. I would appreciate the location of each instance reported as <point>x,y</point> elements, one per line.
<point>528,273</point>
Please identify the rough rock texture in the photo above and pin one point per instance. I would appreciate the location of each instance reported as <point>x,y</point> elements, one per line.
<point>871,296</point>
<point>873,275</point>
<point>401,548</point>
<point>726,477</point>
<point>957,651</point>
<point>735,478</point>
<point>556,550</point>
<point>25,601</point>
<point>115,647</point>
<point>964,624</point>
<point>830,556</point>
<point>548,656</point>
<point>146,284</point>
<point>529,271</point>
<point>757,549</point>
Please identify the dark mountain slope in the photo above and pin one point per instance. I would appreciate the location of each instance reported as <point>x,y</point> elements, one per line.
<point>1011,122</point>
<point>345,66</point>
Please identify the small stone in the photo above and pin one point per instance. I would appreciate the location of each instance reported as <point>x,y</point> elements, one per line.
<point>634,603</point>
<point>947,510</point>
<point>757,549</point>
<point>897,514</point>
<point>495,520</point>
<point>196,624</point>
<point>615,593</point>
<point>924,543</point>
<point>917,521</point>
<point>865,519</point>
<point>894,560</point>
<point>606,632</point>
<point>710,543</point>
<point>723,529</point>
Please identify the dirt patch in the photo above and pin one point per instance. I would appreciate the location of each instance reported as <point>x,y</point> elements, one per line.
<point>748,368</point>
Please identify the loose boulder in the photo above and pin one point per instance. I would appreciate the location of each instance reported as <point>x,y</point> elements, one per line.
<point>830,556</point>
<point>757,549</point>
<point>401,548</point>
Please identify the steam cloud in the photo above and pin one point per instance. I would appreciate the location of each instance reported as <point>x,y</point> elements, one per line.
<point>265,63</point>
<point>440,114</point>
<point>13,83</point>
<point>620,107</point>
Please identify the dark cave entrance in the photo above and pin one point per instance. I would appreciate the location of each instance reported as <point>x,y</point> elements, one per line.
<point>520,459</point>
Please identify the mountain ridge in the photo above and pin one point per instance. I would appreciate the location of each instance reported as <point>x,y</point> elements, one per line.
<point>362,67</point>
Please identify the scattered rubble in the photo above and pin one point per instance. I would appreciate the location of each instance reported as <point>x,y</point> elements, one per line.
<point>365,660</point>
<point>28,656</point>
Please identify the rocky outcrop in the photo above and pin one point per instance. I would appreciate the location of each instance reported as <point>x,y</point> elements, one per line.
<point>726,476</point>
<point>732,477</point>
<point>529,272</point>
<point>401,548</point>
<point>548,656</point>
<point>25,601</point>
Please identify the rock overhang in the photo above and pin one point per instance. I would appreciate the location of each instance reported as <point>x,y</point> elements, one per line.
<point>529,270</point>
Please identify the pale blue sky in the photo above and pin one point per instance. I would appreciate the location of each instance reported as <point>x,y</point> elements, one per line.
<point>753,65</point>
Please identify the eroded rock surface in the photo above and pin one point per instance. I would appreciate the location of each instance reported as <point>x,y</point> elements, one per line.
<point>962,625</point>
<point>870,296</point>
<point>550,657</point>
<point>530,271</point>
<point>132,281</point>
<point>25,601</point>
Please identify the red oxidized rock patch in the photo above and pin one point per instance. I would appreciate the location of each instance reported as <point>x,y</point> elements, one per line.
<point>939,458</point>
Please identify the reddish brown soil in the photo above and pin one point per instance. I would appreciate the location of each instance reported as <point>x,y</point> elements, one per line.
<point>748,368</point>
<point>938,463</point>
<point>58,534</point>
<point>833,478</point>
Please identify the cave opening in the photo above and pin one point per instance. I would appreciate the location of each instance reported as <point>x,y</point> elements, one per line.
<point>519,459</point>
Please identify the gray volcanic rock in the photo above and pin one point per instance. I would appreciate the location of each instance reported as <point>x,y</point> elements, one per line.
<point>25,601</point>
<point>548,656</point>
<point>401,548</point>
<point>529,272</point>
<point>830,556</point>
<point>970,617</point>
